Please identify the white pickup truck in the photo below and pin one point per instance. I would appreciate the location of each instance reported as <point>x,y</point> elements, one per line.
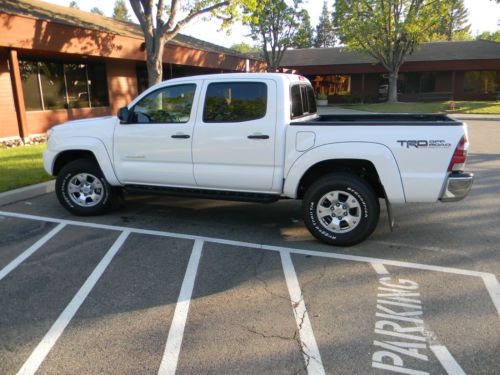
<point>258,137</point>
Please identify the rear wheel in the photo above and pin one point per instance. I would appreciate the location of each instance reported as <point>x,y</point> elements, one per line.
<point>341,209</point>
<point>82,189</point>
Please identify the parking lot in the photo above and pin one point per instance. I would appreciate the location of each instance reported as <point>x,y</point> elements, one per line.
<point>172,285</point>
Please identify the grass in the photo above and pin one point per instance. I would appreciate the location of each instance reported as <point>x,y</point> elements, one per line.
<point>473,107</point>
<point>21,166</point>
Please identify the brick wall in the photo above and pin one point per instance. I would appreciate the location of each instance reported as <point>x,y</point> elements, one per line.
<point>8,121</point>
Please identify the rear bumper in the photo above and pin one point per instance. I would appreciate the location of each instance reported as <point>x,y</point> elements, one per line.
<point>457,186</point>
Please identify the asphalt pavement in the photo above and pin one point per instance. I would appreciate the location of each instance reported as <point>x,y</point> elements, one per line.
<point>191,286</point>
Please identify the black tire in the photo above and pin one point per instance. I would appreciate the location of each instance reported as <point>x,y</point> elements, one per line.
<point>328,194</point>
<point>86,174</point>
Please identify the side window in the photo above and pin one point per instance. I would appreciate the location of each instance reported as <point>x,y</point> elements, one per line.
<point>167,105</point>
<point>235,102</point>
<point>311,99</point>
<point>303,102</point>
<point>297,109</point>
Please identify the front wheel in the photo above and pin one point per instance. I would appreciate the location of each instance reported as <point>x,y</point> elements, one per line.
<point>341,209</point>
<point>82,189</point>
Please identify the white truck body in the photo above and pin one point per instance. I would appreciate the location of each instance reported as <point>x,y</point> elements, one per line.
<point>268,156</point>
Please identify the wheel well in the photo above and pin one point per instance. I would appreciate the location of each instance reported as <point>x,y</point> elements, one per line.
<point>68,156</point>
<point>363,168</point>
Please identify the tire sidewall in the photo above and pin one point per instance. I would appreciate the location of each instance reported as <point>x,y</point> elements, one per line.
<point>65,176</point>
<point>368,204</point>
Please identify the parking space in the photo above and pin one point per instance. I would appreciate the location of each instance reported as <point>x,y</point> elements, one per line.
<point>92,298</point>
<point>169,285</point>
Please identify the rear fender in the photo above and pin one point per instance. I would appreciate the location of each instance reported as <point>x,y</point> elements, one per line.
<point>378,154</point>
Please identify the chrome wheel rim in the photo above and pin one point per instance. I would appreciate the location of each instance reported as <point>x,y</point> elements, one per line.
<point>339,211</point>
<point>85,190</point>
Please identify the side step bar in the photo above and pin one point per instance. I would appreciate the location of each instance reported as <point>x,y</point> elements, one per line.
<point>203,193</point>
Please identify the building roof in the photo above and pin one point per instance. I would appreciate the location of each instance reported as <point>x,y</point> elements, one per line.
<point>41,10</point>
<point>436,51</point>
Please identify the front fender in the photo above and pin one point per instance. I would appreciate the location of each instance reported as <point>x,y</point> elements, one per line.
<point>378,154</point>
<point>57,146</point>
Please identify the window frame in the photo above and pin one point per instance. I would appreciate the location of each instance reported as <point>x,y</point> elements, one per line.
<point>62,64</point>
<point>146,94</point>
<point>229,82</point>
<point>302,100</point>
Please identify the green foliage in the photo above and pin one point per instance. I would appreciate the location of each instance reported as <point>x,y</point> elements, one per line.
<point>388,30</point>
<point>453,24</point>
<point>120,11</point>
<point>493,36</point>
<point>162,20</point>
<point>273,24</point>
<point>244,48</point>
<point>73,4</point>
<point>304,38</point>
<point>96,10</point>
<point>21,166</point>
<point>325,32</point>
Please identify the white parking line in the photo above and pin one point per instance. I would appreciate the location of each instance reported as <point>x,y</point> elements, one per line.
<point>27,253</point>
<point>42,350</point>
<point>173,347</point>
<point>446,359</point>
<point>489,279</point>
<point>380,268</point>
<point>310,349</point>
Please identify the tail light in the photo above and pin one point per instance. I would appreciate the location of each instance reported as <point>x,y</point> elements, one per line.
<point>459,158</point>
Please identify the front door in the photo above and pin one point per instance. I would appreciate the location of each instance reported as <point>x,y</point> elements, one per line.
<point>154,147</point>
<point>234,138</point>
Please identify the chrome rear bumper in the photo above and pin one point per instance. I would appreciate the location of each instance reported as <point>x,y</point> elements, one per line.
<point>457,186</point>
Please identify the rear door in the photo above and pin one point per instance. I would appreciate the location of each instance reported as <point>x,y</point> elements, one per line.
<point>234,138</point>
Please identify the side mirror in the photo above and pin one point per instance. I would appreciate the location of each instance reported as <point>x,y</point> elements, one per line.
<point>123,115</point>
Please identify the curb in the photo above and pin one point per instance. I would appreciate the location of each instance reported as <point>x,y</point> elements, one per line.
<point>26,192</point>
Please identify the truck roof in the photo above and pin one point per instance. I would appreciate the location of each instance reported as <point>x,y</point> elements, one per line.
<point>280,76</point>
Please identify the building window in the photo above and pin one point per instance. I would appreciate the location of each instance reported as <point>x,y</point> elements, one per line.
<point>332,84</point>
<point>235,102</point>
<point>31,85</point>
<point>482,82</point>
<point>50,85</point>
<point>416,83</point>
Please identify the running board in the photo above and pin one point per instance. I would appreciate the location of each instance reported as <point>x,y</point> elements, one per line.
<point>203,193</point>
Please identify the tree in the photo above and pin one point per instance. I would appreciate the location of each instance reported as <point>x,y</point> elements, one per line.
<point>161,22</point>
<point>493,36</point>
<point>120,11</point>
<point>325,33</point>
<point>304,38</point>
<point>454,22</point>
<point>96,10</point>
<point>73,4</point>
<point>244,48</point>
<point>387,30</point>
<point>273,25</point>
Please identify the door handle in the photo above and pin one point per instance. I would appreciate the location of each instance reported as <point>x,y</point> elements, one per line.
<point>258,136</point>
<point>181,136</point>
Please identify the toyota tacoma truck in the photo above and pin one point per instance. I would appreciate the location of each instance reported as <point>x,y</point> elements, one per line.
<point>258,137</point>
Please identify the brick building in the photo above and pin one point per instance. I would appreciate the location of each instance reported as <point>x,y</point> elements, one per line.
<point>435,71</point>
<point>59,63</point>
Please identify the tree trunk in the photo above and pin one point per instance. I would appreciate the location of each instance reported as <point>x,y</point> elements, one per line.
<point>393,87</point>
<point>155,71</point>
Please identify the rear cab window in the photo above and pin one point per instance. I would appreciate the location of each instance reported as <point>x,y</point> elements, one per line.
<point>303,102</point>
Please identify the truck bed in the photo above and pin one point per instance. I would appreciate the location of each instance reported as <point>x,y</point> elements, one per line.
<point>382,119</point>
